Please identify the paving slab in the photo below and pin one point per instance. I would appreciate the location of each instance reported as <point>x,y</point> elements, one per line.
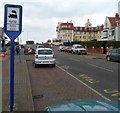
<point>22,88</point>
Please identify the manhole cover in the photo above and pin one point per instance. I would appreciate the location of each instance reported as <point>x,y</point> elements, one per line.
<point>38,96</point>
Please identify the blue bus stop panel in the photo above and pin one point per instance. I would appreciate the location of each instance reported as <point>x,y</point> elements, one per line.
<point>13,16</point>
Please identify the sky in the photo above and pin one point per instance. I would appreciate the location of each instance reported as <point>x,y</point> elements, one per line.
<point>41,17</point>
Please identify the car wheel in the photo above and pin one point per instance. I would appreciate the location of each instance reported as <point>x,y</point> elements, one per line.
<point>77,53</point>
<point>35,65</point>
<point>108,58</point>
<point>53,65</point>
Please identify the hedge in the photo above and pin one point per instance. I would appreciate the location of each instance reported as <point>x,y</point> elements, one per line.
<point>99,44</point>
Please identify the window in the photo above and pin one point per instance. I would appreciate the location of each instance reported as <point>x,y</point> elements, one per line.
<point>118,51</point>
<point>112,33</point>
<point>44,52</point>
<point>114,51</point>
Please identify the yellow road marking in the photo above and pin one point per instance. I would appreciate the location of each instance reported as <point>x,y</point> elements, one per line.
<point>88,79</point>
<point>110,91</point>
<point>65,67</point>
<point>113,93</point>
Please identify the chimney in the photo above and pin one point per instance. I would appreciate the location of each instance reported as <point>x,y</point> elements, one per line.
<point>117,15</point>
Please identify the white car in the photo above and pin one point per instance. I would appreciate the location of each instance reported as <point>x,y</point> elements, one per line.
<point>44,56</point>
<point>78,49</point>
<point>61,48</point>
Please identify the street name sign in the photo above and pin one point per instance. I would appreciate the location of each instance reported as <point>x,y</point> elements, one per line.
<point>12,28</point>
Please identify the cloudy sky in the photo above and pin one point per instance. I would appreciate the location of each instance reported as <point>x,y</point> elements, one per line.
<point>40,17</point>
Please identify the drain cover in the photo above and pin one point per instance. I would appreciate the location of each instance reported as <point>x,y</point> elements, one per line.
<point>38,96</point>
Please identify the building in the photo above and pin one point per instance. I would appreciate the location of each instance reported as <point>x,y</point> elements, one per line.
<point>117,29</point>
<point>119,7</point>
<point>118,25</point>
<point>67,32</point>
<point>109,32</point>
<point>88,32</point>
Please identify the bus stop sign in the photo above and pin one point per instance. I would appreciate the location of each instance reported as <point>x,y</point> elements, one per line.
<point>12,28</point>
<point>12,20</point>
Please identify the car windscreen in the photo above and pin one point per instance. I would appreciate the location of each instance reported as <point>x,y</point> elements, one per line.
<point>29,46</point>
<point>45,52</point>
<point>118,51</point>
<point>79,46</point>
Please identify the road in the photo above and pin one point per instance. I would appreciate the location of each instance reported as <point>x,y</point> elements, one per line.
<point>94,72</point>
<point>75,77</point>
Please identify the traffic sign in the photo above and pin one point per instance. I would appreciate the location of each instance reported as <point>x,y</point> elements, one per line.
<point>13,20</point>
<point>12,28</point>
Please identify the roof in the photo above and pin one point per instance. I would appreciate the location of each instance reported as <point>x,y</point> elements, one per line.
<point>66,26</point>
<point>89,29</point>
<point>113,20</point>
<point>43,49</point>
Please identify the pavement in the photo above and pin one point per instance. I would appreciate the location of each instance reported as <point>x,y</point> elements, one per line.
<point>23,100</point>
<point>99,56</point>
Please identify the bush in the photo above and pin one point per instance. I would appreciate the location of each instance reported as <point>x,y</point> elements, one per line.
<point>114,44</point>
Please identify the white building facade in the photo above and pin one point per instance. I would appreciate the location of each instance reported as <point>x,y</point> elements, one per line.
<point>119,7</point>
<point>111,28</point>
<point>118,31</point>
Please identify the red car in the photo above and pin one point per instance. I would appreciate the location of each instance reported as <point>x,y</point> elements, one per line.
<point>29,50</point>
<point>68,49</point>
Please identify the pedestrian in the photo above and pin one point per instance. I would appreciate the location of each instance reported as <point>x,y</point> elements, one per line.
<point>17,49</point>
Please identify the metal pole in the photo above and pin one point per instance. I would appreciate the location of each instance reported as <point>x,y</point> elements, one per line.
<point>19,48</point>
<point>12,76</point>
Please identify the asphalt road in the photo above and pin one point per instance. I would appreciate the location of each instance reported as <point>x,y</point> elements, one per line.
<point>74,77</point>
<point>95,72</point>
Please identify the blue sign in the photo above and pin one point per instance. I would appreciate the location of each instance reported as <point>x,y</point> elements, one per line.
<point>13,20</point>
<point>12,28</point>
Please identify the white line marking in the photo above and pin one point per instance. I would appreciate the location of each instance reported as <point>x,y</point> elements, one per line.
<point>100,67</point>
<point>84,84</point>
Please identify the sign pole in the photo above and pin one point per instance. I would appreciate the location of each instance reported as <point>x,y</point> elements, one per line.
<point>12,76</point>
<point>12,28</point>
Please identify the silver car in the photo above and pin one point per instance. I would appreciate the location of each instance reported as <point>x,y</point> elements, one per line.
<point>44,56</point>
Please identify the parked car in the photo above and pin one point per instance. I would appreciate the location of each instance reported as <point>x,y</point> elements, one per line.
<point>78,49</point>
<point>40,46</point>
<point>44,56</point>
<point>29,49</point>
<point>85,106</point>
<point>61,48</point>
<point>113,54</point>
<point>68,49</point>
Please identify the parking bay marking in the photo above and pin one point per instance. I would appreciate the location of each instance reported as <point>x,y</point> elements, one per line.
<point>84,83</point>
<point>113,93</point>
<point>65,67</point>
<point>100,67</point>
<point>88,79</point>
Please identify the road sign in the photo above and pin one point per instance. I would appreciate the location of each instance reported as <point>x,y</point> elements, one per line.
<point>12,28</point>
<point>13,20</point>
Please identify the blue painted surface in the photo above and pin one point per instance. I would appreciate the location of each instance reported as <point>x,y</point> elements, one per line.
<point>85,105</point>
